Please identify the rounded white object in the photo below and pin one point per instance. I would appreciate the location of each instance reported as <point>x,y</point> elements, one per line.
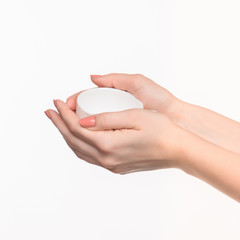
<point>102,99</point>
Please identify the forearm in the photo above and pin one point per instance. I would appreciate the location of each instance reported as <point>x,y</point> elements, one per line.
<point>214,165</point>
<point>207,124</point>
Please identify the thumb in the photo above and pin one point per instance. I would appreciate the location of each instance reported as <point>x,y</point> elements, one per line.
<point>127,82</point>
<point>72,100</point>
<point>127,119</point>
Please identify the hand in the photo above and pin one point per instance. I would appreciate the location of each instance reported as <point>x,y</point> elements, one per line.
<point>122,142</point>
<point>147,91</point>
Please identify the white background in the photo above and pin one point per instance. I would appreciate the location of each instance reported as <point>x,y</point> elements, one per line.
<point>48,48</point>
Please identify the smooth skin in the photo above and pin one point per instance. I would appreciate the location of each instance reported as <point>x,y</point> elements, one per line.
<point>177,134</point>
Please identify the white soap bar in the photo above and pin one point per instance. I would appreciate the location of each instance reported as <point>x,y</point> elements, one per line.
<point>101,99</point>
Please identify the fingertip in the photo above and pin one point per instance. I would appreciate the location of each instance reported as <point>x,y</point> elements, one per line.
<point>70,103</point>
<point>68,99</point>
<point>50,113</point>
<point>95,76</point>
<point>72,100</point>
<point>96,81</point>
<point>55,102</point>
<point>47,114</point>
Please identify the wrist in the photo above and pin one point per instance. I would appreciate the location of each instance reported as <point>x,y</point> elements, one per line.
<point>176,145</point>
<point>184,147</point>
<point>192,151</point>
<point>176,110</point>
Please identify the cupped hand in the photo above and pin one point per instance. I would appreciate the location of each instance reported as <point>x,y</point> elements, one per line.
<point>122,142</point>
<point>152,95</point>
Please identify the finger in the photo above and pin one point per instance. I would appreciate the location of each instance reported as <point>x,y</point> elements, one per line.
<point>72,100</point>
<point>69,117</point>
<point>127,119</point>
<point>83,156</point>
<point>71,140</point>
<point>72,122</point>
<point>122,81</point>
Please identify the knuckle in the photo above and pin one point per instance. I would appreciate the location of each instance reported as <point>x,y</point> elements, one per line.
<point>138,80</point>
<point>139,76</point>
<point>67,136</point>
<point>116,171</point>
<point>70,142</point>
<point>73,127</point>
<point>108,162</point>
<point>106,146</point>
<point>104,120</point>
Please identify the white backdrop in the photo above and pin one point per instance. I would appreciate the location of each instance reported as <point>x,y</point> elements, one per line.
<point>48,48</point>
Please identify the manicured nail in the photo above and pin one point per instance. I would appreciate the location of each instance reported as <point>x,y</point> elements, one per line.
<point>47,114</point>
<point>55,104</point>
<point>88,122</point>
<point>95,76</point>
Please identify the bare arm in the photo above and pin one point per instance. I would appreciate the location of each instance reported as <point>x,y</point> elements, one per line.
<point>208,124</point>
<point>214,165</point>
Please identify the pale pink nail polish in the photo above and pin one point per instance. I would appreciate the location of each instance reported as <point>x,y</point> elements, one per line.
<point>88,122</point>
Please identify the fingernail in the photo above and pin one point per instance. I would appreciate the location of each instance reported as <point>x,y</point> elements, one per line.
<point>88,122</point>
<point>55,104</point>
<point>47,114</point>
<point>95,76</point>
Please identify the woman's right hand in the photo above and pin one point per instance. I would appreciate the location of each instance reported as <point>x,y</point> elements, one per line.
<point>123,142</point>
<point>152,95</point>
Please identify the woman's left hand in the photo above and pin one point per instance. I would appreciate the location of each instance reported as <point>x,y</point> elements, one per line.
<point>122,142</point>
